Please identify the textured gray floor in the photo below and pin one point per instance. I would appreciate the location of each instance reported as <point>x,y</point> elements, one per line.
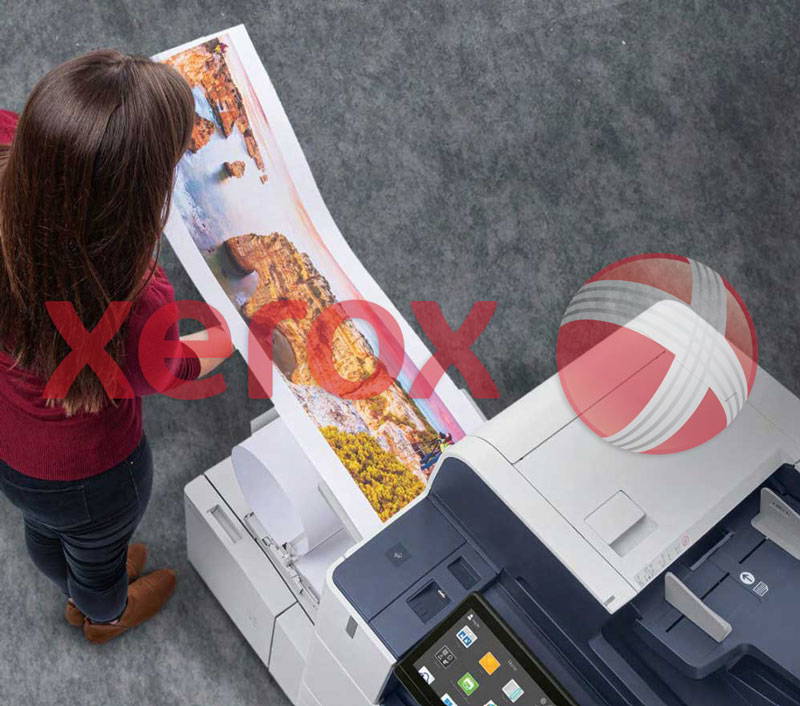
<point>468,150</point>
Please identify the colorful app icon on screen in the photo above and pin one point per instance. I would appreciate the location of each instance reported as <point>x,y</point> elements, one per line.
<point>447,700</point>
<point>466,636</point>
<point>490,703</point>
<point>489,663</point>
<point>426,675</point>
<point>513,691</point>
<point>468,684</point>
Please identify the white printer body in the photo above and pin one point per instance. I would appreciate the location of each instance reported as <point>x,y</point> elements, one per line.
<point>609,524</point>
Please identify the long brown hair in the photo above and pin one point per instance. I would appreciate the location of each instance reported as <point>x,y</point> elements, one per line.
<point>84,196</point>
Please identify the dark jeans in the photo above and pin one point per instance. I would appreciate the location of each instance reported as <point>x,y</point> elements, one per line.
<point>77,532</point>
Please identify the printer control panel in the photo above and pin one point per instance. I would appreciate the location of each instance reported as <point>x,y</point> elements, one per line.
<point>473,659</point>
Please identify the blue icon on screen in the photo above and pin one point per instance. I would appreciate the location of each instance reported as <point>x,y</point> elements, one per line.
<point>466,636</point>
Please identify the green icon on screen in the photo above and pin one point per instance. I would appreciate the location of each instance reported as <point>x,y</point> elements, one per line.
<point>468,684</point>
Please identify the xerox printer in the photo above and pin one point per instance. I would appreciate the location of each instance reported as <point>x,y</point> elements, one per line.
<point>546,566</point>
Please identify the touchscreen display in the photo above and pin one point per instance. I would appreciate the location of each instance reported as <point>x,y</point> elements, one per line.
<point>470,666</point>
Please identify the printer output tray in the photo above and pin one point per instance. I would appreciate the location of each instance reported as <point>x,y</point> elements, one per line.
<point>752,584</point>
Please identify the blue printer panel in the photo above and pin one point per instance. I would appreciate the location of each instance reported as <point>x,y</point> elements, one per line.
<point>411,575</point>
<point>462,538</point>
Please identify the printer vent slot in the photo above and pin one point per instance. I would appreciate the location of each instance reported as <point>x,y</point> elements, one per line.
<point>751,552</point>
<point>463,573</point>
<point>428,601</point>
<point>706,546</point>
<point>762,682</point>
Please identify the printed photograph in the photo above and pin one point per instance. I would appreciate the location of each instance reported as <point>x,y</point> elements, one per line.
<point>236,196</point>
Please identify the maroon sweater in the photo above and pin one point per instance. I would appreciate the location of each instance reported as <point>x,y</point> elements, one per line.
<point>8,123</point>
<point>42,442</point>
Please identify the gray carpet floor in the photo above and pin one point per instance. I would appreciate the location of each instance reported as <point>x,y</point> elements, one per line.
<point>468,150</point>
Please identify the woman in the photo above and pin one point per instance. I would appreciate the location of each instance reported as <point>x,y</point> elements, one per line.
<point>84,193</point>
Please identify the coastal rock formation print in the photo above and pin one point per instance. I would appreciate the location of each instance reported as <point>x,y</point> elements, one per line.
<point>386,441</point>
<point>234,169</point>
<point>285,273</point>
<point>204,67</point>
<point>202,130</point>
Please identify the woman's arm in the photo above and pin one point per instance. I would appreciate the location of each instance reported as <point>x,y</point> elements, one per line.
<point>186,359</point>
<point>207,365</point>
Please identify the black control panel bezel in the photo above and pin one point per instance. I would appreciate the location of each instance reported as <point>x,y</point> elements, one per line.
<point>408,676</point>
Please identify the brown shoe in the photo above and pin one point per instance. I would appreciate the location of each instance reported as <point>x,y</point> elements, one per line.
<point>137,557</point>
<point>146,596</point>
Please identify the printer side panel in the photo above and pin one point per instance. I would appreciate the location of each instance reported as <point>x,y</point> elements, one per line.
<point>346,658</point>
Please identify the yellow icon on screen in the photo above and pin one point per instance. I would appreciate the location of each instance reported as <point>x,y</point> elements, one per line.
<point>489,663</point>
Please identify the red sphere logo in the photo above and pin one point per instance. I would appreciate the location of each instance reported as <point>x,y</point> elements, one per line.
<point>657,353</point>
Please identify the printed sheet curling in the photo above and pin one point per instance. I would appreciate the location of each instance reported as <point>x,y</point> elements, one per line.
<point>250,226</point>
